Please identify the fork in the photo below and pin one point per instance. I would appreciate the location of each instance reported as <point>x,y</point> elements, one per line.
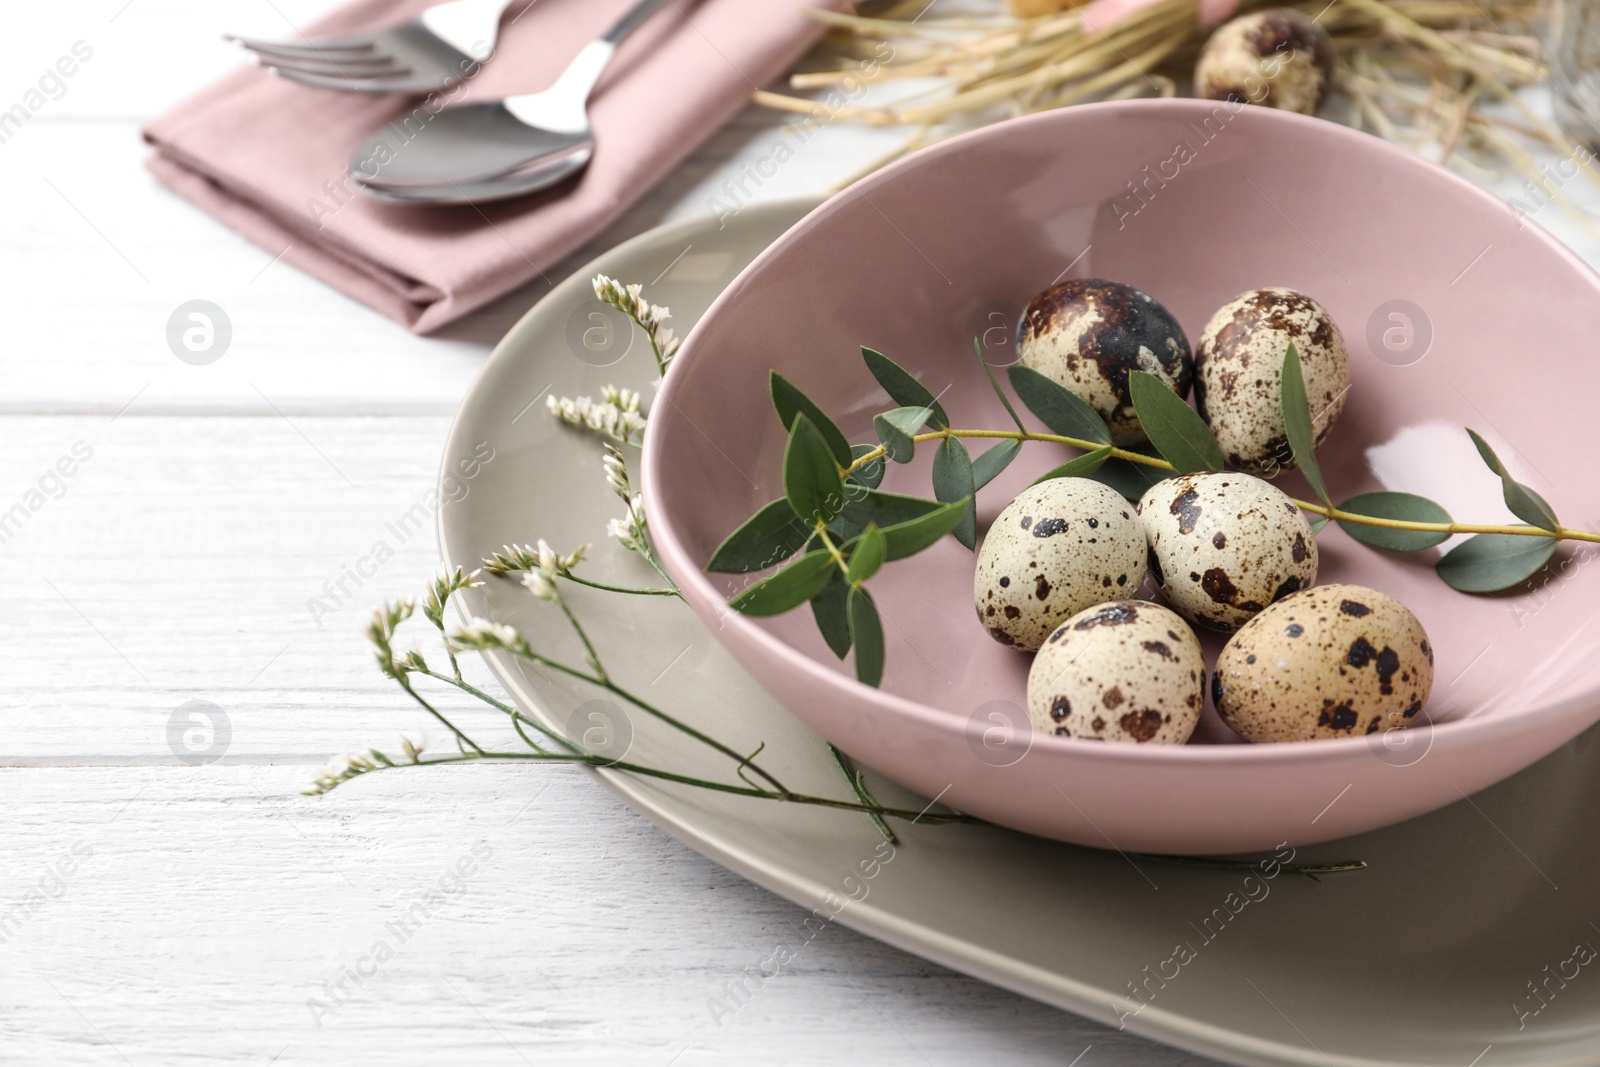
<point>439,48</point>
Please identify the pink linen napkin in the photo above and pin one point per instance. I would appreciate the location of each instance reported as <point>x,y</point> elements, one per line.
<point>267,156</point>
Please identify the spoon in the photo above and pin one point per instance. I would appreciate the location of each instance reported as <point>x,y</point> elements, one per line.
<point>497,149</point>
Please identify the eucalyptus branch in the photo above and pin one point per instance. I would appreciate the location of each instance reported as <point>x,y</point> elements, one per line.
<point>1561,533</point>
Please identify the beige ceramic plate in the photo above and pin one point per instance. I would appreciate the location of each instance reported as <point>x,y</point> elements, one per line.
<point>1460,945</point>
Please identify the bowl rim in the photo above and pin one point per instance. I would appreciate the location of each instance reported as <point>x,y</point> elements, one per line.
<point>706,598</point>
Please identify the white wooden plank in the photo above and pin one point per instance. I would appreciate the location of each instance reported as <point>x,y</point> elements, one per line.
<point>177,563</point>
<point>208,906</point>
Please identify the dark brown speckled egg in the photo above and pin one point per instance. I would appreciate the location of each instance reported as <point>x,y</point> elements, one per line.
<point>1128,671</point>
<point>1278,58</point>
<point>1239,375</point>
<point>1334,661</point>
<point>1087,334</point>
<point>1224,545</point>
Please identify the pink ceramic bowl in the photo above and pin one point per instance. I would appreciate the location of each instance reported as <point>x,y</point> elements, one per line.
<point>1193,203</point>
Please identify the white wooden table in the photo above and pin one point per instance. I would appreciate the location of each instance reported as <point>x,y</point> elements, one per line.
<point>155,912</point>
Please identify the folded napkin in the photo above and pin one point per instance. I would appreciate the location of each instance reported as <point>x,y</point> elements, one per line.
<point>267,156</point>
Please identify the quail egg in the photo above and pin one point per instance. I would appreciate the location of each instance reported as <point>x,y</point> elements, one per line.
<point>1087,334</point>
<point>1224,545</point>
<point>1056,549</point>
<point>1126,671</point>
<point>1335,661</point>
<point>1277,58</point>
<point>1239,375</point>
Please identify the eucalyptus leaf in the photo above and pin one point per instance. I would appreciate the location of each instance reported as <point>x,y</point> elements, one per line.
<point>1078,467</point>
<point>1130,479</point>
<point>832,616</point>
<point>1059,408</point>
<point>953,480</point>
<point>1489,563</point>
<point>912,536</point>
<point>886,509</point>
<point>1316,522</point>
<point>994,460</point>
<point>895,429</point>
<point>904,389</point>
<point>810,478</point>
<point>866,555</point>
<point>988,372</point>
<point>767,538</point>
<point>790,402</point>
<point>1524,503</point>
<point>868,474</point>
<point>1176,429</point>
<point>866,631</point>
<point>1297,423</point>
<point>788,588</point>
<point>1407,507</point>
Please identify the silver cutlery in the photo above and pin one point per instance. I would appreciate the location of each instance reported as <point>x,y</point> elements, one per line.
<point>494,150</point>
<point>439,48</point>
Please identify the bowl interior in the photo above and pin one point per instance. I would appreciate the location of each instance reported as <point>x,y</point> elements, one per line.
<point>1456,313</point>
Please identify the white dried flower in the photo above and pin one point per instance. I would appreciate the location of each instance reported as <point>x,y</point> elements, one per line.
<point>541,585</point>
<point>630,529</point>
<point>481,635</point>
<point>616,416</point>
<point>651,317</point>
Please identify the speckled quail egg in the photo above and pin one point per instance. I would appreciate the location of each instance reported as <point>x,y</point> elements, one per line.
<point>1126,671</point>
<point>1224,545</point>
<point>1239,375</point>
<point>1277,58</point>
<point>1056,549</point>
<point>1087,334</point>
<point>1335,661</point>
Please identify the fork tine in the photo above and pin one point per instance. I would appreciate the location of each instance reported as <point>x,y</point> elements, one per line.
<point>342,84</point>
<point>352,60</point>
<point>312,49</point>
<point>352,72</point>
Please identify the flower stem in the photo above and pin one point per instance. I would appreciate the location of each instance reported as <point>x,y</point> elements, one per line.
<point>859,787</point>
<point>1560,534</point>
<point>618,588</point>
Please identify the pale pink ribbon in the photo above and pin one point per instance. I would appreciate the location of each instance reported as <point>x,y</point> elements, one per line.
<point>1100,16</point>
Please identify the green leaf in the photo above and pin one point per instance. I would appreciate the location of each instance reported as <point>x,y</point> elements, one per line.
<point>866,555</point>
<point>790,402</point>
<point>1176,429</point>
<point>832,617</point>
<point>1524,503</point>
<point>988,372</point>
<point>1297,423</point>
<point>1316,522</point>
<point>810,477</point>
<point>767,538</point>
<point>788,588</point>
<point>1079,467</point>
<point>1130,479</point>
<point>895,429</point>
<point>886,509</point>
<point>903,389</point>
<point>1059,408</point>
<point>993,461</point>
<point>1404,506</point>
<point>912,536</point>
<point>866,631</point>
<point>1489,563</point>
<point>869,474</point>
<point>953,480</point>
